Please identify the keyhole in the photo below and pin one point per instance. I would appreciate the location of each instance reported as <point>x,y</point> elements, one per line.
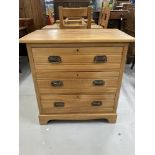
<point>77,50</point>
<point>77,74</point>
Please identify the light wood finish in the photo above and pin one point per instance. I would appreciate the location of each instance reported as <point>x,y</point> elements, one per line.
<point>85,20</point>
<point>75,12</point>
<point>44,118</point>
<point>69,4</point>
<point>77,55</point>
<point>89,67</point>
<point>78,50</point>
<point>79,35</point>
<point>104,17</point>
<point>75,98</point>
<point>74,86</point>
<point>57,26</point>
<point>74,75</point>
<point>77,103</point>
<point>77,59</point>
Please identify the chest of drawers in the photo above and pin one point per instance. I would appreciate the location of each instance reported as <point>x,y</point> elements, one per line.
<point>77,74</point>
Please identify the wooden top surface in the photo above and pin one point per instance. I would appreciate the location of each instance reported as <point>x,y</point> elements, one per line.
<point>76,36</point>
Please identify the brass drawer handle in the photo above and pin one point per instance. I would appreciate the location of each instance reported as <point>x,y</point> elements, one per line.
<point>100,59</point>
<point>54,59</point>
<point>56,83</point>
<point>59,104</point>
<point>96,103</point>
<point>98,82</point>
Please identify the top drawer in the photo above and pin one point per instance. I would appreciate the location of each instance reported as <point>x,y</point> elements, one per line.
<point>75,51</point>
<point>77,55</point>
<point>55,58</point>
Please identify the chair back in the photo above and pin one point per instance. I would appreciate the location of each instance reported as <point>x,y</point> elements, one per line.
<point>104,17</point>
<point>76,14</point>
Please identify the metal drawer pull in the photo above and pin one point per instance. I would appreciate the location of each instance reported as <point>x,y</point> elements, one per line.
<point>54,59</point>
<point>58,104</point>
<point>56,83</point>
<point>98,82</point>
<point>100,59</point>
<point>96,103</point>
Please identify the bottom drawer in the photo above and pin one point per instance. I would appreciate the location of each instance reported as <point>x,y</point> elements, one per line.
<point>77,103</point>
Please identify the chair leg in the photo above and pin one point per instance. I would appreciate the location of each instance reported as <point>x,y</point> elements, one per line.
<point>133,63</point>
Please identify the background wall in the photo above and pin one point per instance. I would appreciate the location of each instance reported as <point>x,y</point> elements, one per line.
<point>34,9</point>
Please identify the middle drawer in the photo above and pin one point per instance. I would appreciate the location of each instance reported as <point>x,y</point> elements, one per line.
<point>64,86</point>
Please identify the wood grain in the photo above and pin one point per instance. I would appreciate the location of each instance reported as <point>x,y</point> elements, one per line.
<point>77,73</point>
<point>76,50</point>
<point>33,9</point>
<point>75,12</point>
<point>77,103</point>
<point>57,26</point>
<point>77,59</point>
<point>74,75</point>
<point>111,117</point>
<point>90,67</point>
<point>77,36</point>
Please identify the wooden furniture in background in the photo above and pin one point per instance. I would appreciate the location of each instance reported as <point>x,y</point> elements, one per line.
<point>104,17</point>
<point>28,23</point>
<point>57,26</point>
<point>122,1</point>
<point>25,26</point>
<point>77,73</point>
<point>68,3</point>
<point>22,47</point>
<point>85,20</point>
<point>130,29</point>
<point>34,9</point>
<point>75,13</point>
<point>116,19</point>
<point>127,6</point>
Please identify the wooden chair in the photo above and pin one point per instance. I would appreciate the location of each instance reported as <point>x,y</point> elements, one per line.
<point>74,14</point>
<point>104,17</point>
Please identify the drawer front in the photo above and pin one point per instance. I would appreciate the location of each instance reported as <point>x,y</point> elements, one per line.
<point>77,103</point>
<point>72,68</point>
<point>76,51</point>
<point>79,59</point>
<point>74,75</point>
<point>78,85</point>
